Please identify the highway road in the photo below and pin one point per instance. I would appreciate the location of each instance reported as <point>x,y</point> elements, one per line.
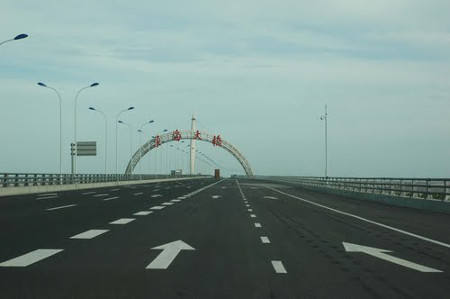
<point>218,239</point>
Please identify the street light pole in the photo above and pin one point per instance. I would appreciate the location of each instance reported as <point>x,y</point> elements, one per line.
<point>117,121</point>
<point>60,126</point>
<point>106,134</point>
<point>20,36</point>
<point>74,157</point>
<point>131,136</point>
<point>325,118</point>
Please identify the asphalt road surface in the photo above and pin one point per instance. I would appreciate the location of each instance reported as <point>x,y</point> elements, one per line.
<point>218,239</point>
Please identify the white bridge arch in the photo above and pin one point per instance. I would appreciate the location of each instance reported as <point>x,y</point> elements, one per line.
<point>187,134</point>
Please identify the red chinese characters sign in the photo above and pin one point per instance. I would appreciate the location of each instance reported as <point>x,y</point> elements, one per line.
<point>217,141</point>
<point>176,135</point>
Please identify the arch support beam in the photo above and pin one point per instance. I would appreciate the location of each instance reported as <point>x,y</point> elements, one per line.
<point>187,135</point>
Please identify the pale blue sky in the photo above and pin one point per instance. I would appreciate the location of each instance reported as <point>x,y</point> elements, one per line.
<point>257,72</point>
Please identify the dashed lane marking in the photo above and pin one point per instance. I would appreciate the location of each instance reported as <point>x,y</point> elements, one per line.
<point>167,203</point>
<point>112,190</point>
<point>157,208</point>
<point>47,194</point>
<point>61,207</point>
<point>258,225</point>
<point>265,240</point>
<point>110,198</point>
<point>250,210</point>
<point>278,266</point>
<point>30,258</point>
<point>247,206</point>
<point>156,195</point>
<point>181,197</point>
<point>90,234</point>
<point>47,197</point>
<point>175,200</point>
<point>270,197</point>
<point>122,221</point>
<point>143,213</point>
<point>87,193</point>
<point>138,193</point>
<point>253,215</point>
<point>101,195</point>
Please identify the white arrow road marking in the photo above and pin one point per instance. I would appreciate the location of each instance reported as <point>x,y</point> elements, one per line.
<point>61,207</point>
<point>30,258</point>
<point>90,234</point>
<point>157,208</point>
<point>122,221</point>
<point>216,196</point>
<point>156,195</point>
<point>381,254</point>
<point>170,252</point>
<point>143,213</point>
<point>109,198</point>
<point>278,266</point>
<point>270,197</point>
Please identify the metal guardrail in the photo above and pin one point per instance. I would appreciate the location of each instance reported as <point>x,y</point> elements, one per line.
<point>9,180</point>
<point>424,188</point>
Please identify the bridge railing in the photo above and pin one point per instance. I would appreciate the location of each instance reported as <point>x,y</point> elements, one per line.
<point>424,188</point>
<point>8,180</point>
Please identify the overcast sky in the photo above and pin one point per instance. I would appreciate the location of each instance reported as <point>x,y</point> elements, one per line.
<point>257,72</point>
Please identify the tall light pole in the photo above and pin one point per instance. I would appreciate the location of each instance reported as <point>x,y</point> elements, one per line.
<point>325,118</point>
<point>74,157</point>
<point>117,121</point>
<point>131,136</point>
<point>106,133</point>
<point>20,36</point>
<point>140,145</point>
<point>60,126</point>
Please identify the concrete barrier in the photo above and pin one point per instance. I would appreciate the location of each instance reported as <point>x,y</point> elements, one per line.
<point>55,188</point>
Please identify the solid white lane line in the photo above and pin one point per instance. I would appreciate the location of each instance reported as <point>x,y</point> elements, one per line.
<point>87,193</point>
<point>278,266</point>
<point>123,221</point>
<point>167,203</point>
<point>265,240</point>
<point>90,234</point>
<point>257,224</point>
<point>61,207</point>
<point>30,258</point>
<point>366,220</point>
<point>157,208</point>
<point>138,193</point>
<point>181,197</point>
<point>47,197</point>
<point>143,213</point>
<point>101,195</point>
<point>109,198</point>
<point>253,215</point>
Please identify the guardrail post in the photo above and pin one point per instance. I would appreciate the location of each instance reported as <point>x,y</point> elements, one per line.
<point>5,180</point>
<point>26,180</point>
<point>447,190</point>
<point>16,180</point>
<point>429,194</point>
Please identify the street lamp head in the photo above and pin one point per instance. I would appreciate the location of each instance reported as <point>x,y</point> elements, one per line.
<point>131,108</point>
<point>94,84</point>
<point>152,121</point>
<point>92,108</point>
<point>21,36</point>
<point>41,84</point>
<point>165,130</point>
<point>120,122</point>
<point>140,131</point>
